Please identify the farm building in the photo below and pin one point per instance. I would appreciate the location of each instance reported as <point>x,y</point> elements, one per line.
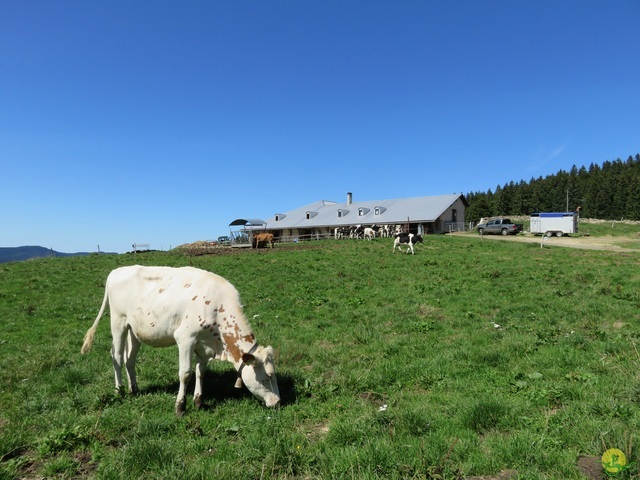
<point>420,215</point>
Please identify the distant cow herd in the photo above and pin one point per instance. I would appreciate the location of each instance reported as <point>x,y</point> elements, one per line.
<point>401,238</point>
<point>367,233</point>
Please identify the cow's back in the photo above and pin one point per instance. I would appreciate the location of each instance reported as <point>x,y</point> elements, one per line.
<point>155,301</point>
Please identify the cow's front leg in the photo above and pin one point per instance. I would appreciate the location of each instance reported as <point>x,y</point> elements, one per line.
<point>201,365</point>
<point>185,351</point>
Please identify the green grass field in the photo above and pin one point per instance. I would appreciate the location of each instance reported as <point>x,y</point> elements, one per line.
<point>467,359</point>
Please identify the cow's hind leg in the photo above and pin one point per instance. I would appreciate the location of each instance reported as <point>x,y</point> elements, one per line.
<point>130,353</point>
<point>119,336</point>
<point>185,351</point>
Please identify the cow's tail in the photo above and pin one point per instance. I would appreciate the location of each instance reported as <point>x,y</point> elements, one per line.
<point>91,333</point>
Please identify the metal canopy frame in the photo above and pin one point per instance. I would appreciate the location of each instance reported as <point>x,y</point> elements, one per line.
<point>242,235</point>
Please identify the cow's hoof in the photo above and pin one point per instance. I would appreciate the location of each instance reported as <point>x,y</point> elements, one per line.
<point>180,409</point>
<point>197,401</point>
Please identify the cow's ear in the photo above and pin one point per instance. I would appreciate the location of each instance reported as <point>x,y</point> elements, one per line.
<point>248,358</point>
<point>268,352</point>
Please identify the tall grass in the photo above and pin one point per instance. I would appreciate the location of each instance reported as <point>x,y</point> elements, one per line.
<point>467,358</point>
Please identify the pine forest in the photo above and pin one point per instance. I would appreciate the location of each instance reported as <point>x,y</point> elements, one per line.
<point>610,191</point>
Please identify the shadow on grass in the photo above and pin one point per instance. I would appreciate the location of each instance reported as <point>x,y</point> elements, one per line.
<point>218,387</point>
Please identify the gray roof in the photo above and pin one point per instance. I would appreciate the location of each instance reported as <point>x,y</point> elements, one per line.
<point>326,213</point>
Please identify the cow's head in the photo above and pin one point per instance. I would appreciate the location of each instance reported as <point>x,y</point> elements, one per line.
<point>258,373</point>
<point>417,238</point>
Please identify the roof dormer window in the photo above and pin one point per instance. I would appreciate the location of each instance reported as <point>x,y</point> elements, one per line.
<point>342,212</point>
<point>379,210</point>
<point>362,211</point>
<point>279,216</point>
<point>310,215</point>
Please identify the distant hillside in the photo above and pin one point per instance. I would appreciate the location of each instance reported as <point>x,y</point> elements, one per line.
<point>17,254</point>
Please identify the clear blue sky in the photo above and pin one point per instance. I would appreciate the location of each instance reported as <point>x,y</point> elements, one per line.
<point>161,122</point>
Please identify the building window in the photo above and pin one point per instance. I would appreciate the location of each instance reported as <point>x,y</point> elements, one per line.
<point>279,216</point>
<point>379,210</point>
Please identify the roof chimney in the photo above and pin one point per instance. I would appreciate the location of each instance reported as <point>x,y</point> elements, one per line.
<point>349,198</point>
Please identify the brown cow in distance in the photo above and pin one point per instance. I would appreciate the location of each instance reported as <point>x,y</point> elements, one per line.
<point>261,240</point>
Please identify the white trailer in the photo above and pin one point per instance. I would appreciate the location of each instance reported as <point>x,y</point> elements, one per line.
<point>554,223</point>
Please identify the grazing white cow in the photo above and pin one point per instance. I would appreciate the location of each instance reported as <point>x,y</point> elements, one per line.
<point>408,239</point>
<point>197,310</point>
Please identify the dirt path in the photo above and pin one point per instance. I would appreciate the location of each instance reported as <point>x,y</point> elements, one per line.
<point>613,244</point>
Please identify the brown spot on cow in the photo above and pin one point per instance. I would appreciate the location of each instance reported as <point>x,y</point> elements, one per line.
<point>187,285</point>
<point>161,290</point>
<point>194,298</point>
<point>249,338</point>
<point>207,302</point>
<point>231,342</point>
<point>221,309</point>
